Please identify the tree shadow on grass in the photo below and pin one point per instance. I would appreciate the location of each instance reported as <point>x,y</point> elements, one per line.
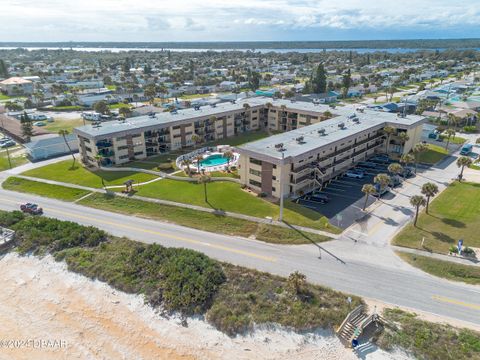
<point>453,222</point>
<point>443,237</point>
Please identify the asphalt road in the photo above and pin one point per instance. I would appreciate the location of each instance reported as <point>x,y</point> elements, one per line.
<point>342,264</point>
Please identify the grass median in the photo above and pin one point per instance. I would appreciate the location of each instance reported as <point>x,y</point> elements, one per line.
<point>445,269</point>
<point>178,215</point>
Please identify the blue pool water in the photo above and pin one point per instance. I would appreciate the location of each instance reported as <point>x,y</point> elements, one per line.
<point>214,160</point>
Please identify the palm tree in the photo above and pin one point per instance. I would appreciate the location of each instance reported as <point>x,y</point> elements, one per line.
<point>196,140</point>
<point>417,201</point>
<point>417,150</point>
<point>296,281</point>
<point>461,163</point>
<point>187,162</point>
<point>367,189</point>
<point>382,179</point>
<point>450,133</point>
<point>429,190</point>
<point>395,168</point>
<point>198,158</point>
<point>204,179</point>
<point>403,136</point>
<point>229,155</point>
<point>64,134</point>
<point>407,159</point>
<point>389,131</point>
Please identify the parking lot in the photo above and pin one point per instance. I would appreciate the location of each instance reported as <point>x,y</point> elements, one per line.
<point>346,198</point>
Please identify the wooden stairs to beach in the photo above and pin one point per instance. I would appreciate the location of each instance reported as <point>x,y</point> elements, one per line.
<point>354,324</point>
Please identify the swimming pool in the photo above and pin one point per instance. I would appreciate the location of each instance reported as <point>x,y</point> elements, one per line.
<point>214,160</point>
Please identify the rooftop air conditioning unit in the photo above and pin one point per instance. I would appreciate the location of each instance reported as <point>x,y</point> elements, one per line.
<point>279,147</point>
<point>197,107</point>
<point>341,125</point>
<point>321,132</point>
<point>300,139</point>
<point>213,105</point>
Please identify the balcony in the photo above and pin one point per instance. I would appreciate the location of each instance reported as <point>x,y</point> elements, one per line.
<point>106,153</point>
<point>104,144</point>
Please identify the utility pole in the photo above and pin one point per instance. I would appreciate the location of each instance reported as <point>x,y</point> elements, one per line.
<point>280,218</point>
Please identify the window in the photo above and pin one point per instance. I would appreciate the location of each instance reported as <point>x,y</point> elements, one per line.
<point>123,157</point>
<point>274,166</point>
<point>255,172</point>
<point>176,127</point>
<point>124,147</point>
<point>121,138</point>
<point>273,189</point>
<point>255,183</point>
<point>255,161</point>
<point>274,178</point>
<point>136,135</point>
<point>138,153</point>
<point>86,140</point>
<point>88,149</point>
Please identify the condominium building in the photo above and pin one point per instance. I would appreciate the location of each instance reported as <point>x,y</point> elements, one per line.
<point>294,162</point>
<point>118,142</point>
<point>313,142</point>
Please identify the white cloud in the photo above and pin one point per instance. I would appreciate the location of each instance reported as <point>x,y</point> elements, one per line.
<point>161,20</point>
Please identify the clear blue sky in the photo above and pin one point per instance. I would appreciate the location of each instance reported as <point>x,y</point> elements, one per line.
<point>234,20</point>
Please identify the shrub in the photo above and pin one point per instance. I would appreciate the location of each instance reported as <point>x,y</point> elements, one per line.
<point>470,129</point>
<point>468,251</point>
<point>189,281</point>
<point>453,249</point>
<point>165,166</point>
<point>262,194</point>
<point>9,218</point>
<point>40,234</point>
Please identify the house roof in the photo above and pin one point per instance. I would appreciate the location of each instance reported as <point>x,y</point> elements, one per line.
<point>15,81</point>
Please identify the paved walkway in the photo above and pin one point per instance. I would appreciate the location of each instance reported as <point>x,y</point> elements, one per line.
<point>455,259</point>
<point>187,206</point>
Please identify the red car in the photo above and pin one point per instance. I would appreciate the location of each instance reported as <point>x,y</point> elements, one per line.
<point>30,208</point>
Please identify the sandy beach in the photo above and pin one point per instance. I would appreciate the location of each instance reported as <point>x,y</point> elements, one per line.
<point>47,312</point>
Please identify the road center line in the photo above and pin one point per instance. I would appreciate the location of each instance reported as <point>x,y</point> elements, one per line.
<point>174,237</point>
<point>456,302</point>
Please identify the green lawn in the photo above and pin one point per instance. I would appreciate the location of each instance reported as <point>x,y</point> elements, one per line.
<point>194,96</point>
<point>63,124</point>
<point>475,166</point>
<point>445,269</point>
<point>229,196</point>
<point>454,215</point>
<point>118,106</point>
<point>62,171</point>
<point>454,140</point>
<point>15,160</point>
<point>42,189</point>
<point>433,155</point>
<point>4,97</point>
<point>186,217</point>
<point>67,108</point>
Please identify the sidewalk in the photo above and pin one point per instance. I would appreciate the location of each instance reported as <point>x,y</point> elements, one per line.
<point>187,206</point>
<point>455,259</point>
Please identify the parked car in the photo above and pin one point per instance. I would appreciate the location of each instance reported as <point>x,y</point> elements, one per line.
<point>407,172</point>
<point>30,208</point>
<point>367,164</point>
<point>8,143</point>
<point>317,197</point>
<point>380,191</point>
<point>381,158</point>
<point>355,174</point>
<point>395,181</point>
<point>39,123</point>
